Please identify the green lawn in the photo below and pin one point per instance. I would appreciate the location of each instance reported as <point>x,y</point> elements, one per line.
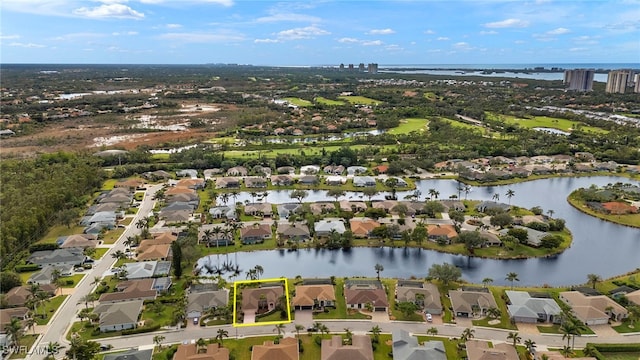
<point>60,230</point>
<point>329,102</point>
<point>545,121</point>
<point>109,184</point>
<point>450,346</point>
<point>505,322</point>
<point>50,307</point>
<point>112,235</point>
<point>626,327</point>
<point>99,253</point>
<point>460,124</point>
<point>274,316</point>
<point>632,220</point>
<point>360,100</point>
<point>152,316</point>
<point>408,125</point>
<point>27,341</point>
<point>298,101</point>
<point>75,278</point>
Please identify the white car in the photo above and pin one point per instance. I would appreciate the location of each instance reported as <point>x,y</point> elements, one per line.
<point>429,317</point>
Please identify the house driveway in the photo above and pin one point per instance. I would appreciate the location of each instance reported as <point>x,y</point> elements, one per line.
<point>604,330</point>
<point>249,317</point>
<point>527,328</point>
<point>379,317</point>
<point>304,317</point>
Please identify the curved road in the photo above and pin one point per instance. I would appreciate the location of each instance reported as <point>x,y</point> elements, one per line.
<point>58,325</point>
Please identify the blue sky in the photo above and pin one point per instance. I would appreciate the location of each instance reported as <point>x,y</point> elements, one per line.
<point>319,32</point>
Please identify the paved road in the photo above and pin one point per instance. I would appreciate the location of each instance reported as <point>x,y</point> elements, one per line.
<point>62,319</point>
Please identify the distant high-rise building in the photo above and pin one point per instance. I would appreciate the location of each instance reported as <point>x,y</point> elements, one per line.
<point>361,67</point>
<point>636,88</point>
<point>372,68</point>
<point>341,67</point>
<point>579,79</point>
<point>617,81</point>
<point>350,67</point>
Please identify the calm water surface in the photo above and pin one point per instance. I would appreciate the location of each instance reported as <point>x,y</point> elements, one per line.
<point>598,247</point>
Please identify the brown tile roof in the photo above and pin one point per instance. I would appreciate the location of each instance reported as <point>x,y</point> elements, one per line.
<point>333,349</point>
<point>255,230</point>
<point>251,297</point>
<point>133,290</point>
<point>362,226</point>
<point>377,297</point>
<point>480,350</point>
<point>287,349</point>
<point>18,295</point>
<point>306,294</point>
<point>442,230</point>
<point>7,314</point>
<point>155,252</point>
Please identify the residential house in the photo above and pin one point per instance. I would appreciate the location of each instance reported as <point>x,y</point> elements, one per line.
<point>193,183</point>
<point>281,180</point>
<point>309,169</point>
<point>452,205</point>
<point>286,170</point>
<point>6,315</point>
<point>395,226</point>
<point>154,252</point>
<point>400,182</point>
<point>255,233</point>
<point>224,212</point>
<point>355,170</point>
<point>361,294</point>
<point>255,182</point>
<point>227,183</point>
<point>284,210</point>
<point>534,237</point>
<point>237,171</point>
<point>194,352</point>
<point>211,173</point>
<point>425,295</point>
<point>413,207</point>
<point>260,300</point>
<point>335,180</point>
<point>634,297</point>
<point>385,205</point>
<point>480,350</point>
<point>353,206</point>
<point>19,295</point>
<point>131,354</point>
<point>191,173</point>
<point>308,180</point>
<point>176,217</point>
<point>406,347</point>
<point>490,238</point>
<point>528,309</point>
<point>131,290</point>
<point>199,303</point>
<point>118,316</point>
<point>311,297</point>
<point>364,181</point>
<point>492,205</point>
<point>294,232</point>
<point>325,227</point>
<point>441,232</point>
<point>467,303</point>
<point>287,349</point>
<point>362,227</point>
<point>593,310</point>
<point>147,269</point>
<point>381,169</point>
<point>106,219</point>
<point>259,209</point>
<point>319,208</point>
<point>47,274</point>
<point>71,256</point>
<point>156,175</point>
<point>334,169</point>
<point>78,241</point>
<point>334,348</point>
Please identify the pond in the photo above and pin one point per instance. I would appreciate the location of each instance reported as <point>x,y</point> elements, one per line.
<point>599,247</point>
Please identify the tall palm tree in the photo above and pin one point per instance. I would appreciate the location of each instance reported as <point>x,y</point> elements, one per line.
<point>550,212</point>
<point>221,334</point>
<point>376,331</point>
<point>510,193</point>
<point>52,349</point>
<point>349,334</point>
<point>594,279</point>
<point>378,268</point>
<point>259,270</point>
<point>568,329</point>
<point>496,197</point>
<point>158,339</point>
<point>432,193</point>
<point>530,344</point>
<point>225,198</point>
<point>14,331</point>
<point>467,334</point>
<point>235,194</point>
<point>33,297</point>
<point>512,276</point>
<point>486,281</point>
<point>298,328</point>
<point>514,337</point>
<point>279,328</point>
<point>30,323</point>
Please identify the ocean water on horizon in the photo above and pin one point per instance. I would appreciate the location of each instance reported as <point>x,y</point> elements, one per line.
<point>604,66</point>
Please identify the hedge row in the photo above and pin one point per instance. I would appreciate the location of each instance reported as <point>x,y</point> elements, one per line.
<point>140,330</point>
<point>617,347</point>
<point>27,268</point>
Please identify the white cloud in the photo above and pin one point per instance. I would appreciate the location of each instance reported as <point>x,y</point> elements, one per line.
<point>118,11</point>
<point>266,41</point>
<point>203,37</point>
<point>519,42</point>
<point>381,32</point>
<point>508,23</point>
<point>9,37</point>
<point>26,45</point>
<point>348,40</point>
<point>174,26</point>
<point>288,17</point>
<point>490,32</point>
<point>79,36</point>
<point>308,32</point>
<point>226,3</point>
<point>578,49</point>
<point>372,43</point>
<point>442,38</point>
<point>429,32</point>
<point>558,31</point>
<point>461,45</point>
<point>129,33</point>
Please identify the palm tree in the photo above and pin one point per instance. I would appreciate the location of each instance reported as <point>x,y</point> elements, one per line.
<point>30,323</point>
<point>467,334</point>
<point>235,194</point>
<point>568,329</point>
<point>119,254</point>
<point>530,344</point>
<point>298,328</point>
<point>221,334</point>
<point>514,337</point>
<point>496,197</point>
<point>510,193</point>
<point>34,298</point>
<point>512,276</point>
<point>594,279</point>
<point>253,195</point>
<point>158,339</point>
<point>550,212</point>
<point>486,281</point>
<point>375,331</point>
<point>280,329</point>
<point>200,343</point>
<point>52,349</point>
<point>14,331</point>
<point>96,280</point>
<point>432,331</point>
<point>259,271</point>
<point>225,198</point>
<point>432,193</point>
<point>467,190</point>
<point>378,269</point>
<point>349,334</point>
<point>566,351</point>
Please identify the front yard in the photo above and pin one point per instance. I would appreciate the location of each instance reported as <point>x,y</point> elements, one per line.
<point>340,311</point>
<point>49,308</point>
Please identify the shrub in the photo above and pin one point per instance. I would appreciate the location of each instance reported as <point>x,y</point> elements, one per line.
<point>141,330</point>
<point>43,246</point>
<point>318,340</point>
<point>27,268</point>
<point>538,226</point>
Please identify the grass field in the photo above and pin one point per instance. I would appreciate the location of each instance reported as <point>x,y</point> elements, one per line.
<point>297,150</point>
<point>632,220</point>
<point>408,125</point>
<point>324,101</point>
<point>27,341</point>
<point>547,122</point>
<point>60,230</point>
<point>112,235</point>
<point>460,124</point>
<point>298,101</point>
<point>50,307</point>
<point>360,100</point>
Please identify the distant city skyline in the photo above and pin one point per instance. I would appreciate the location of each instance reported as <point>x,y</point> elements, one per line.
<point>319,32</point>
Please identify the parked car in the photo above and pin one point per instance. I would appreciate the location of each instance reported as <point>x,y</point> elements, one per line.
<point>429,317</point>
<point>195,321</point>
